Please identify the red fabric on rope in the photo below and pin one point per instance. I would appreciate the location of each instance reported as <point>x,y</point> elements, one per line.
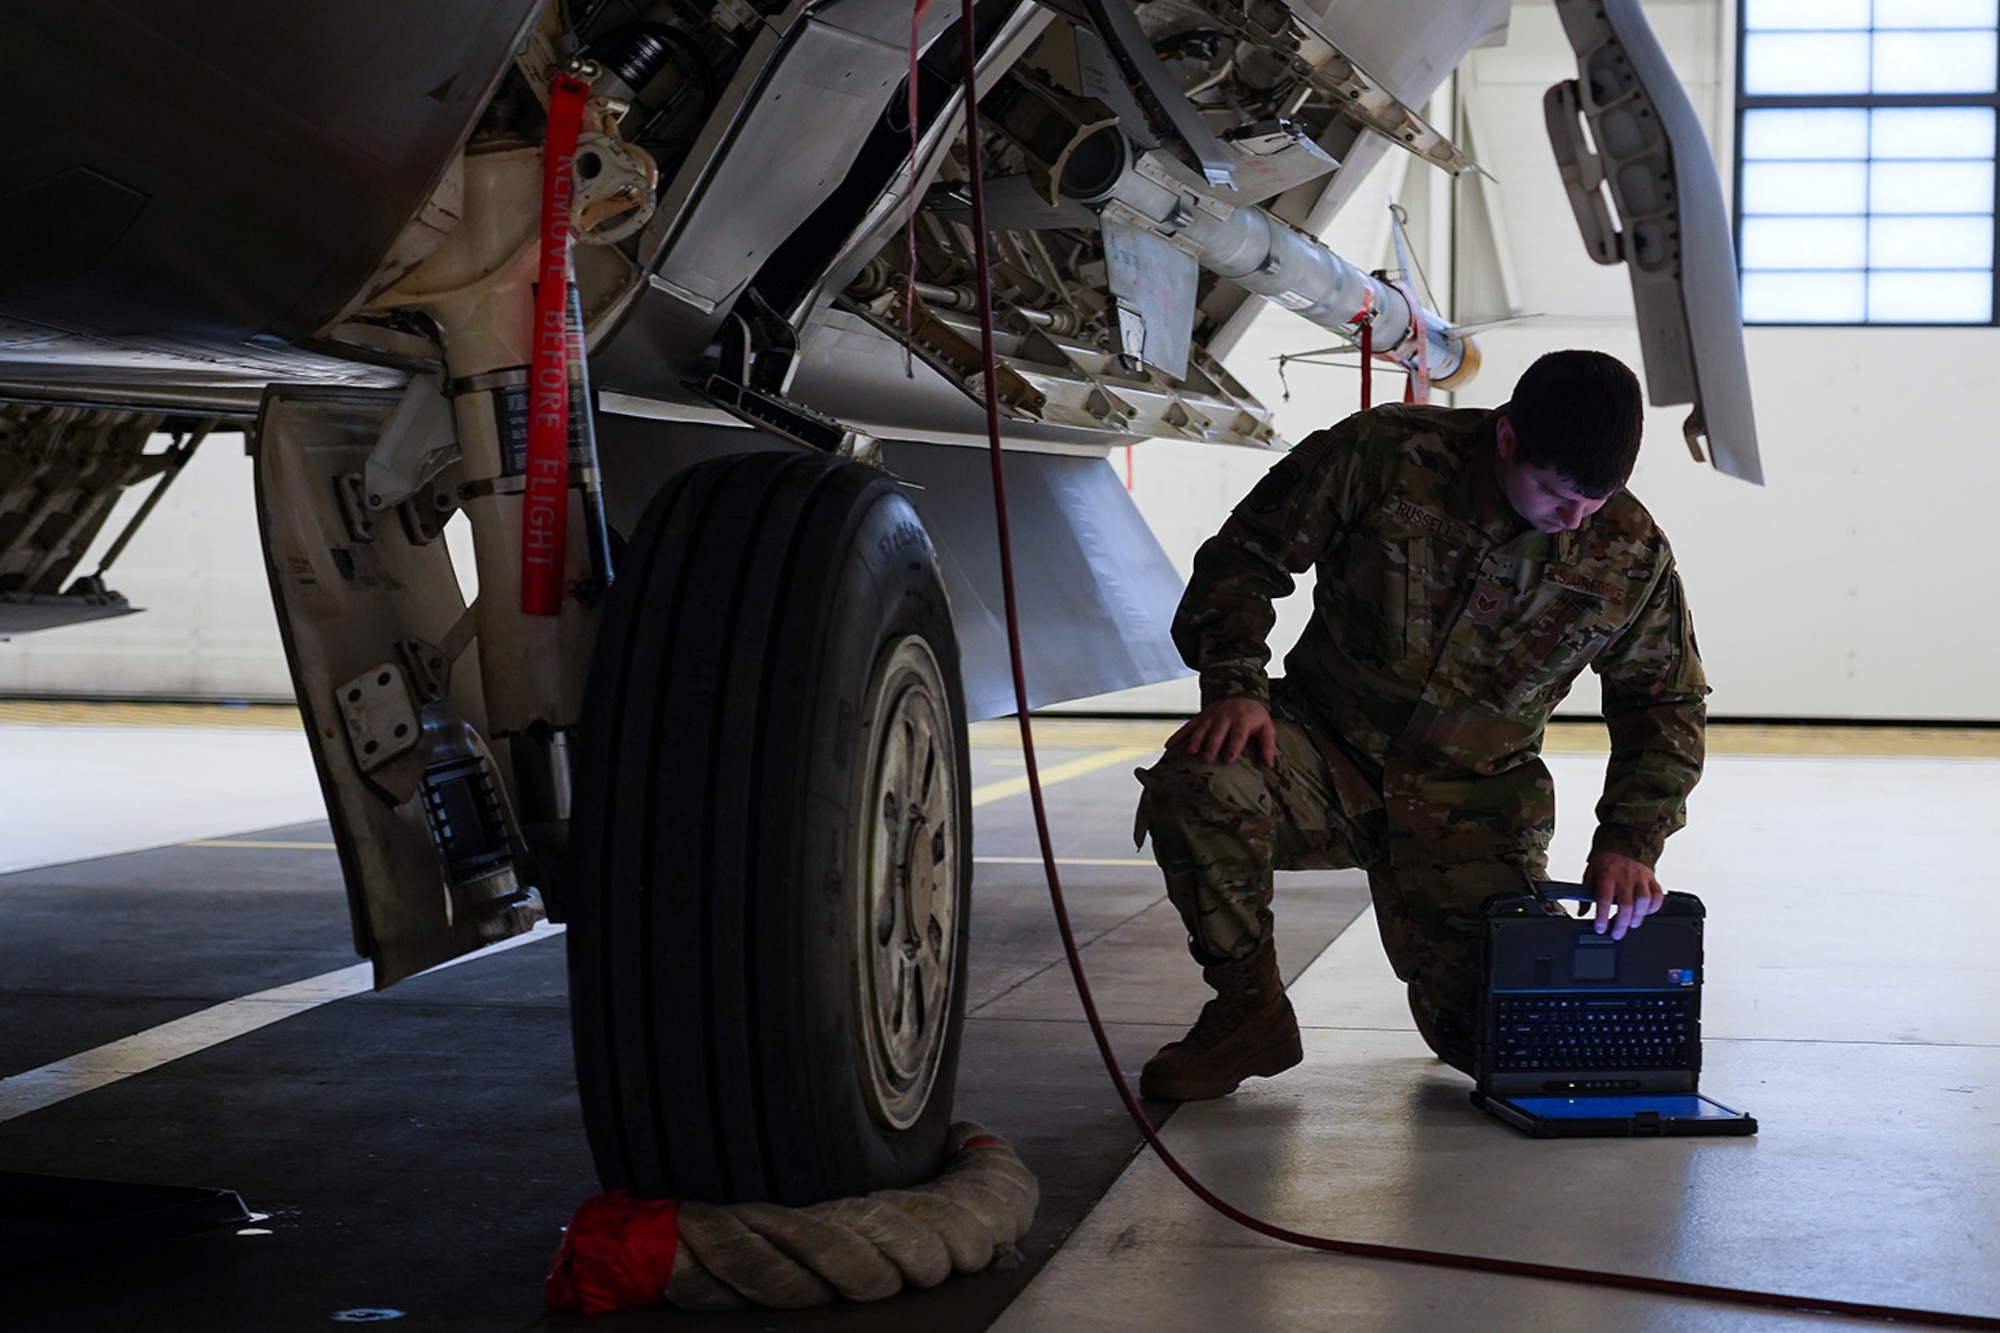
<point>1418,389</point>
<point>616,1255</point>
<point>1397,1253</point>
<point>545,502</point>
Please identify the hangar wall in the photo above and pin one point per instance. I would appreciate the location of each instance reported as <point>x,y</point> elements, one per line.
<point>207,631</point>
<point>1844,588</point>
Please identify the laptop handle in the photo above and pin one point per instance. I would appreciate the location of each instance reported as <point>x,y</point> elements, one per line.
<point>1677,904</point>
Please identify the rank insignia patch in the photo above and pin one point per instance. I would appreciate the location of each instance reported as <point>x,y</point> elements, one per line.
<point>1488,603</point>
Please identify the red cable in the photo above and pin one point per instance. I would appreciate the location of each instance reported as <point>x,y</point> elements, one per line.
<point>1360,1249</point>
<point>910,205</point>
<point>545,502</point>
<point>1367,364</point>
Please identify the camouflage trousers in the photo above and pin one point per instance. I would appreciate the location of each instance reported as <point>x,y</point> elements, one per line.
<point>1219,830</point>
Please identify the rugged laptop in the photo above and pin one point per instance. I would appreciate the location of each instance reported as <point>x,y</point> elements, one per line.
<point>1583,1035</point>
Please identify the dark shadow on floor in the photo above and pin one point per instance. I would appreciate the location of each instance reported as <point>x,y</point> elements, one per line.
<point>420,1149</point>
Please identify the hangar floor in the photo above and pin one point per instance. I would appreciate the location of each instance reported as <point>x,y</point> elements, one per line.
<point>417,1150</point>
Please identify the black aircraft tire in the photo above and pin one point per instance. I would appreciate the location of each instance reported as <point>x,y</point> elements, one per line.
<point>771,843</point>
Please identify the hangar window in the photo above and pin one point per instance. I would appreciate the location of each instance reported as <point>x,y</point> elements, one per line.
<point>1865,160</point>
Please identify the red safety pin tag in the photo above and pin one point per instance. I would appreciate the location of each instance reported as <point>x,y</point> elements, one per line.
<point>545,503</point>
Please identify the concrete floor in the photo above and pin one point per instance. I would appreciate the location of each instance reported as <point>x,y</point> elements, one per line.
<point>1853,963</point>
<point>419,1148</point>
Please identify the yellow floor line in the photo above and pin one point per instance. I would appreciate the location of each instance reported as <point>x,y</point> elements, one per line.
<point>980,860</point>
<point>1075,768</point>
<point>1063,861</point>
<point>1074,732</point>
<point>1746,738</point>
<point>986,795</point>
<point>1568,736</point>
<point>91,713</point>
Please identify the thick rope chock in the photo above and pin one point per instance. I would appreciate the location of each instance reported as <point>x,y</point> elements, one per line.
<point>621,1252</point>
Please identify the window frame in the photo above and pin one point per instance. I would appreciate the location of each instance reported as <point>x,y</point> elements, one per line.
<point>1746,102</point>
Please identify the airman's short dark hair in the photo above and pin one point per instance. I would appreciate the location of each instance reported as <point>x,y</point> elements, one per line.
<point>1580,413</point>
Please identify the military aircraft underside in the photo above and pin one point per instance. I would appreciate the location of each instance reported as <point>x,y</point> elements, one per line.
<point>706,415</point>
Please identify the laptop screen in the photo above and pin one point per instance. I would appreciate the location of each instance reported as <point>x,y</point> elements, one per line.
<point>1679,1106</point>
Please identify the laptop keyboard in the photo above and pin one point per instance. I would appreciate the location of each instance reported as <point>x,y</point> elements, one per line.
<point>1543,1031</point>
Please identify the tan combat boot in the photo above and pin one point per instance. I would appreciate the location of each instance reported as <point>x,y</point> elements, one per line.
<point>1246,1031</point>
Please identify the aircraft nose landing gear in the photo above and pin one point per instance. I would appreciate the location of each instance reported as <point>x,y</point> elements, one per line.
<point>767,933</point>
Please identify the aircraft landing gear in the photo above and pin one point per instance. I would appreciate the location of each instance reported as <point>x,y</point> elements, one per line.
<point>772,843</point>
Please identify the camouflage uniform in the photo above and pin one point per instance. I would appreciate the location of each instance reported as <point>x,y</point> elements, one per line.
<point>1445,630</point>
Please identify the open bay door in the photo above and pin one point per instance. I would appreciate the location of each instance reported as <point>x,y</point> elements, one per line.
<point>1646,193</point>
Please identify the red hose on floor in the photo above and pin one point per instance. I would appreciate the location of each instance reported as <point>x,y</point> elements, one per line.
<point>1359,1249</point>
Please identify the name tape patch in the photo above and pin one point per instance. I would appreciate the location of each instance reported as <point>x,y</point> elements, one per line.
<point>1418,517</point>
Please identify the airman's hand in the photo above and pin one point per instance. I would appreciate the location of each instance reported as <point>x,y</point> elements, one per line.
<point>1219,732</point>
<point>1628,885</point>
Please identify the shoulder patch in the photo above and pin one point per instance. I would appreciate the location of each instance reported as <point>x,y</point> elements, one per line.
<point>1276,487</point>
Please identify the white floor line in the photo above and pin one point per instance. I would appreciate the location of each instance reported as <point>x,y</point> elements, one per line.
<point>115,1061</point>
